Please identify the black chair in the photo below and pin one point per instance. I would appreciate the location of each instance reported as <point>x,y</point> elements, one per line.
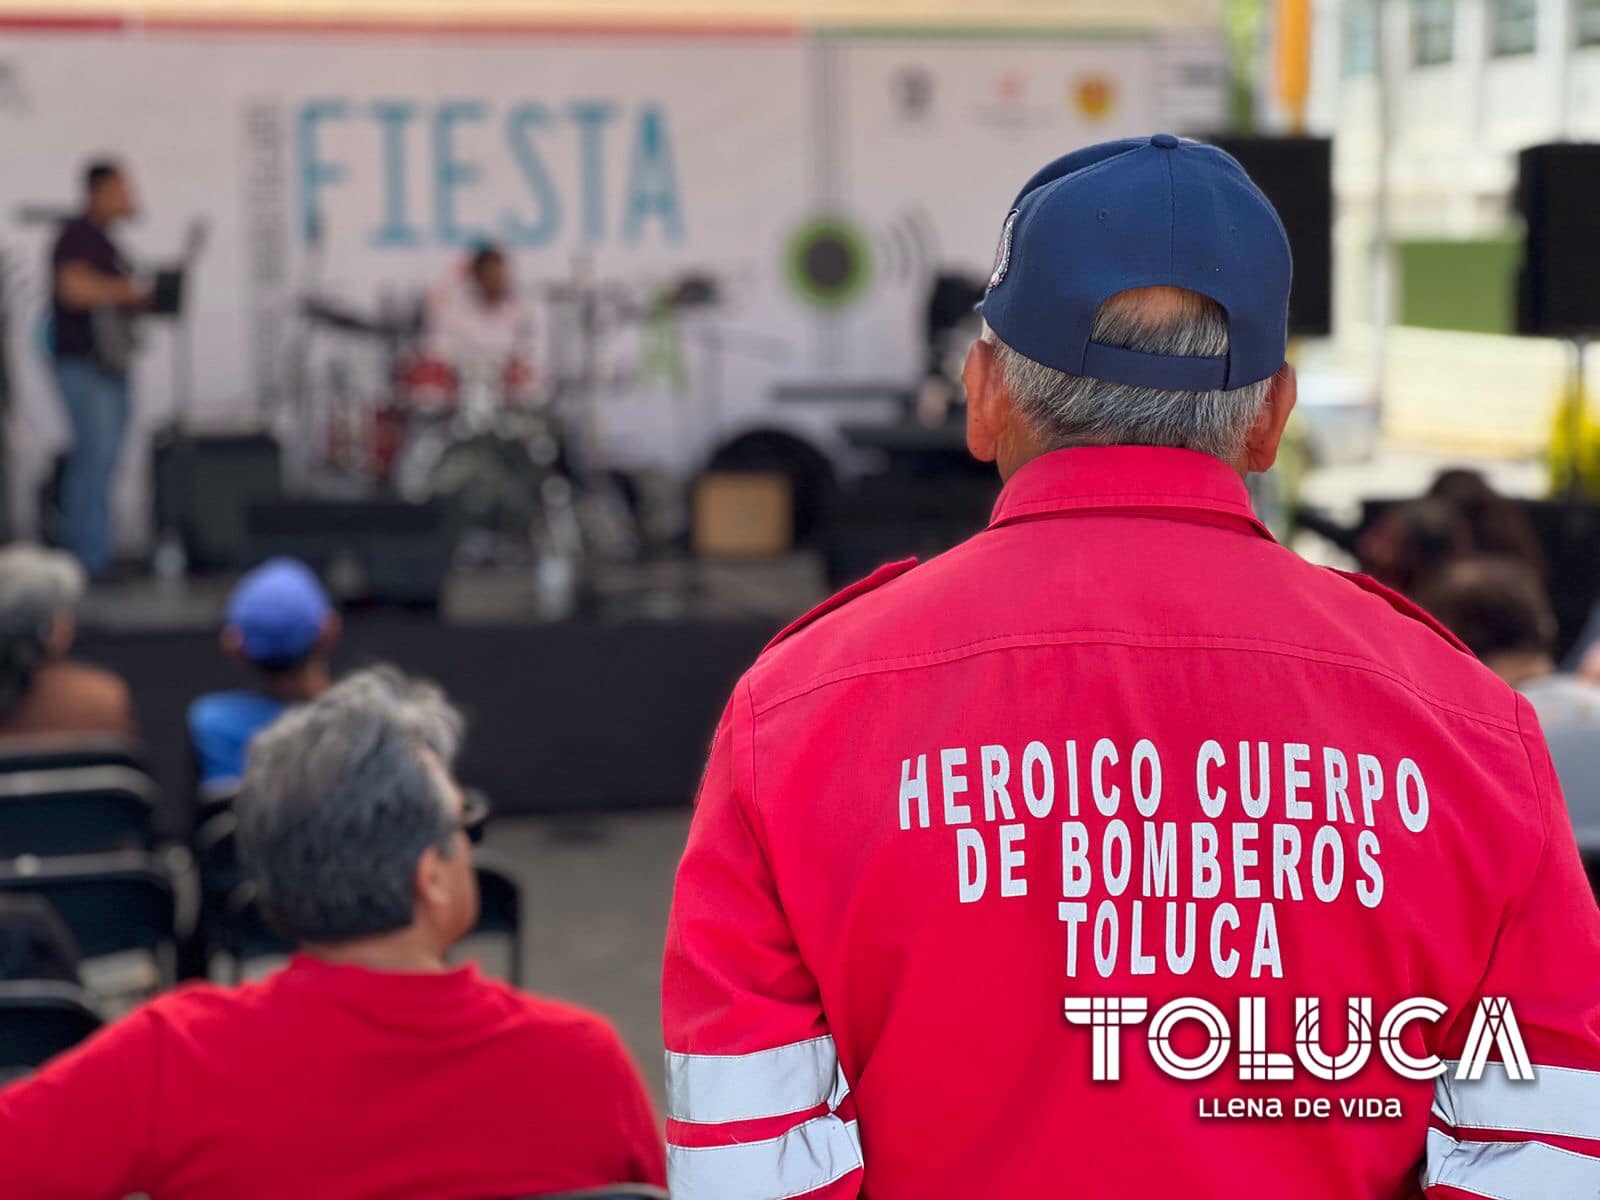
<point>243,934</point>
<point>76,810</point>
<point>55,753</point>
<point>38,1020</point>
<point>208,804</point>
<point>112,902</point>
<point>216,855</point>
<point>237,928</point>
<point>500,913</point>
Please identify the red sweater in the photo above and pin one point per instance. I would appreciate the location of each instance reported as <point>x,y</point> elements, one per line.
<point>334,1081</point>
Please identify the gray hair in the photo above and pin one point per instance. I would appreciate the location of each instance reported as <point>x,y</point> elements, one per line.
<point>1071,410</point>
<point>339,801</point>
<point>36,585</point>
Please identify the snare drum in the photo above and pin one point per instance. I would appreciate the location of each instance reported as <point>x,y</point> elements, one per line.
<point>424,384</point>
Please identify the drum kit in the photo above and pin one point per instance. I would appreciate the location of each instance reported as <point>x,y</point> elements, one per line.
<point>492,440</point>
<point>478,435</point>
<point>507,446</point>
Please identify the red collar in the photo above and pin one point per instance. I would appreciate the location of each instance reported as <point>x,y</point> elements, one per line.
<point>1124,477</point>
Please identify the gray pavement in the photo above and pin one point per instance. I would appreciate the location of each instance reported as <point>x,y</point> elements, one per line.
<point>595,895</point>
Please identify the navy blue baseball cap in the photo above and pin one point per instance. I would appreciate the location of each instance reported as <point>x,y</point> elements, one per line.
<point>278,611</point>
<point>1142,212</point>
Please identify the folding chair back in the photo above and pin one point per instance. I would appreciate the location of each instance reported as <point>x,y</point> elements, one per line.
<point>57,753</point>
<point>243,933</point>
<point>38,1020</point>
<point>119,901</point>
<point>216,854</point>
<point>500,912</point>
<point>76,810</point>
<point>208,804</point>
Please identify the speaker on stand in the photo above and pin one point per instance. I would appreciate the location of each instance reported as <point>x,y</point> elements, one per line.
<point>7,270</point>
<point>1556,292</point>
<point>1557,297</point>
<point>1296,173</point>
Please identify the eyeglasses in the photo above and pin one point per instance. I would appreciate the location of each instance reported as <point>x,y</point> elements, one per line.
<point>474,814</point>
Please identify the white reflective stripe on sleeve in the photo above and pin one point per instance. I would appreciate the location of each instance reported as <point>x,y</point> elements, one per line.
<point>1509,1170</point>
<point>810,1156</point>
<point>1558,1100</point>
<point>712,1089</point>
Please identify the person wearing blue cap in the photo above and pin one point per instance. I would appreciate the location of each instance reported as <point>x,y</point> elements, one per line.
<point>1119,851</point>
<point>282,624</point>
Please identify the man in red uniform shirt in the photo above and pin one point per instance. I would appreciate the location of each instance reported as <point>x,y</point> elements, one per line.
<point>1119,852</point>
<point>367,1067</point>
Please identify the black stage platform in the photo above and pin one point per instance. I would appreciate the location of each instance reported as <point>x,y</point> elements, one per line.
<point>611,709</point>
<point>570,715</point>
<point>576,714</point>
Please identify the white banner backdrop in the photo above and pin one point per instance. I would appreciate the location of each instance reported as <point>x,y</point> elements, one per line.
<point>361,167</point>
<point>937,136</point>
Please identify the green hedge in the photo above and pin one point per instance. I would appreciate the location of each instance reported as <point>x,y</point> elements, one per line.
<point>1466,285</point>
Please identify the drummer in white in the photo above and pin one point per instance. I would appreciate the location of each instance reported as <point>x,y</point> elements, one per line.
<point>476,315</point>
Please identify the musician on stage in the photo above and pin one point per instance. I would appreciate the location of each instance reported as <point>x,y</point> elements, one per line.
<point>476,316</point>
<point>93,295</point>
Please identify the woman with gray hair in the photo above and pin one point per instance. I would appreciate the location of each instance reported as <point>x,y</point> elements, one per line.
<point>42,693</point>
<point>370,1065</point>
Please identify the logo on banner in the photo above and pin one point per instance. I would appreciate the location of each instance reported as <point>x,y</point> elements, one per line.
<point>1012,87</point>
<point>1011,104</point>
<point>828,261</point>
<point>913,93</point>
<point>13,98</point>
<point>1093,96</point>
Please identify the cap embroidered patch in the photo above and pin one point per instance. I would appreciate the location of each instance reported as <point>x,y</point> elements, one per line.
<point>1002,254</point>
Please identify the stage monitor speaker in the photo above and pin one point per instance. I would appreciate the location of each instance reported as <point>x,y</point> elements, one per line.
<point>384,551</point>
<point>204,487</point>
<point>1557,190</point>
<point>1296,173</point>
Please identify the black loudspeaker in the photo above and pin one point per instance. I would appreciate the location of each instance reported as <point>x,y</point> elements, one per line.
<point>1557,190</point>
<point>385,551</point>
<point>1296,173</point>
<point>204,488</point>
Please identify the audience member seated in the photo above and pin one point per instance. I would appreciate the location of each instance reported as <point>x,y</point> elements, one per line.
<point>282,625</point>
<point>366,1067</point>
<point>44,694</point>
<point>1411,540</point>
<point>1498,525</point>
<point>1498,608</point>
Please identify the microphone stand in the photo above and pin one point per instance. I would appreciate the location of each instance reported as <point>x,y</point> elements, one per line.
<point>170,560</point>
<point>5,398</point>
